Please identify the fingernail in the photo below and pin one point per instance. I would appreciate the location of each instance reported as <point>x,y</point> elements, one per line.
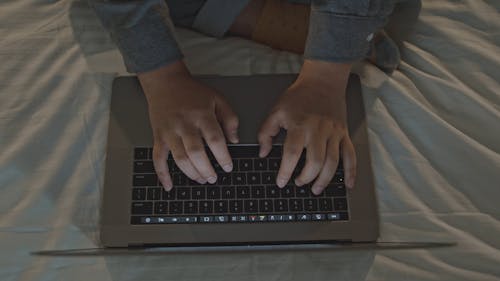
<point>317,190</point>
<point>281,182</point>
<point>228,168</point>
<point>212,179</point>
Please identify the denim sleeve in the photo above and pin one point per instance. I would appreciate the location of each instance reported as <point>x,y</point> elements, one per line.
<point>142,30</point>
<point>216,16</point>
<point>340,30</point>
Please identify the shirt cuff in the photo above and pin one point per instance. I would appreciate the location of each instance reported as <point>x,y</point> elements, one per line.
<point>209,20</point>
<point>143,32</point>
<point>340,37</point>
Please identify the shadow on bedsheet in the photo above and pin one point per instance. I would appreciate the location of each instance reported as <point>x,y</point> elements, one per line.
<point>293,262</point>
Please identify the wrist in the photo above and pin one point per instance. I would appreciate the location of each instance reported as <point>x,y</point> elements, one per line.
<point>161,80</point>
<point>325,74</point>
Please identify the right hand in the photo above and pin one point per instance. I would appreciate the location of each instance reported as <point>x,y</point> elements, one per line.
<point>183,112</point>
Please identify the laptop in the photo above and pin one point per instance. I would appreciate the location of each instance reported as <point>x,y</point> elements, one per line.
<point>243,207</point>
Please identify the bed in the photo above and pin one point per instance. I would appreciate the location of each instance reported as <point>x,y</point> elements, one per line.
<point>434,130</point>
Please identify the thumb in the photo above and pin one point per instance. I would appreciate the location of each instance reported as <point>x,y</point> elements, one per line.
<point>268,130</point>
<point>229,120</point>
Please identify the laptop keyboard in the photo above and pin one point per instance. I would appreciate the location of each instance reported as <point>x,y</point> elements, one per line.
<point>246,195</point>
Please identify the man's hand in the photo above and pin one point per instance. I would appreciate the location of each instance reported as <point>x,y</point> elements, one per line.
<point>313,111</point>
<point>183,112</point>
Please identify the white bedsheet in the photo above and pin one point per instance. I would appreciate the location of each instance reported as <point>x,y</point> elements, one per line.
<point>434,130</point>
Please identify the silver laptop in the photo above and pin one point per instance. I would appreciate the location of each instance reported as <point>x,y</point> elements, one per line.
<point>244,207</point>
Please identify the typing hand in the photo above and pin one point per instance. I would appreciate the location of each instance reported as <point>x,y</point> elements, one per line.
<point>183,112</point>
<point>313,112</point>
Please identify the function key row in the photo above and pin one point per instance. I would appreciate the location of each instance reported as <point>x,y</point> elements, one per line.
<point>337,216</point>
<point>223,179</point>
<point>230,192</point>
<point>239,206</point>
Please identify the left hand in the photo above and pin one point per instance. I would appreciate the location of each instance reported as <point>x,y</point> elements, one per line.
<point>313,112</point>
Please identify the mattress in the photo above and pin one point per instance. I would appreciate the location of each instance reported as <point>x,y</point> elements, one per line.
<point>433,129</point>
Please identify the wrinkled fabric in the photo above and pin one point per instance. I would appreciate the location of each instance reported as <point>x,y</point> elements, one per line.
<point>338,30</point>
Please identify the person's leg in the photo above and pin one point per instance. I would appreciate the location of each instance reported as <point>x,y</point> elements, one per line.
<point>283,25</point>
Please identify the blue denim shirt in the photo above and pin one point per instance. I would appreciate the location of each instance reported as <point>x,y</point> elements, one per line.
<point>339,30</point>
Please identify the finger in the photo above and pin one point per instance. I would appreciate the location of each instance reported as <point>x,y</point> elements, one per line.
<point>198,156</point>
<point>215,140</point>
<point>183,161</point>
<point>315,158</point>
<point>329,168</point>
<point>160,154</point>
<point>348,161</point>
<point>292,149</point>
<point>268,130</point>
<point>229,120</point>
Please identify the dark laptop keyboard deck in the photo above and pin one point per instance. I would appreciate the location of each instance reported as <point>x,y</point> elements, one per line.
<point>246,195</point>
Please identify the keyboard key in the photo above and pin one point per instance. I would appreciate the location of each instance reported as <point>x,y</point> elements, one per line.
<point>141,153</point>
<point>325,204</point>
<point>303,217</point>
<point>154,193</point>
<point>296,205</point>
<point>258,192</point>
<point>318,217</point>
<point>175,207</point>
<point>274,164</point>
<point>224,179</point>
<point>235,206</point>
<point>183,193</point>
<point>333,216</point>
<point>206,219</point>
<point>179,179</point>
<point>253,178</point>
<point>220,206</point>
<point>280,205</point>
<point>189,219</point>
<point>250,151</point>
<point>260,164</point>
<point>302,191</point>
<point>340,204</point>
<point>168,195</point>
<point>144,167</point>
<point>221,219</point>
<point>161,207</point>
<point>272,218</point>
<point>268,178</point>
<point>288,217</point>
<point>213,192</point>
<point>198,192</point>
<point>251,206</point>
<point>243,192</point>
<point>266,206</point>
<point>190,207</point>
<point>239,178</point>
<point>139,194</point>
<point>142,208</point>
<point>145,180</point>
<point>245,165</point>
<point>228,192</point>
<point>206,207</point>
<point>338,178</point>
<point>272,191</point>
<point>310,205</point>
<point>336,190</point>
<point>287,191</point>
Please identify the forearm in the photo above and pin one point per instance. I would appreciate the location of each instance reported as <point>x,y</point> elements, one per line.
<point>340,30</point>
<point>142,31</point>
